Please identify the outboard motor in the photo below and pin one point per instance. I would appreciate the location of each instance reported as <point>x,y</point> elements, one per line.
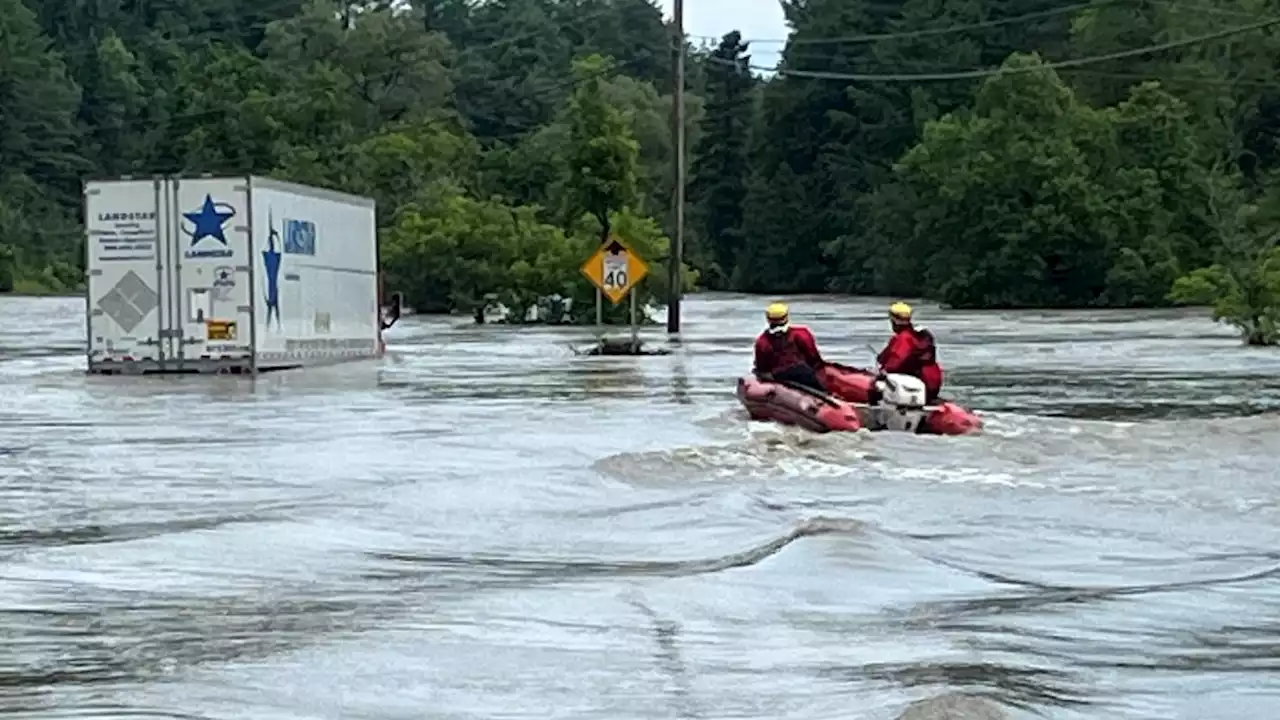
<point>901,405</point>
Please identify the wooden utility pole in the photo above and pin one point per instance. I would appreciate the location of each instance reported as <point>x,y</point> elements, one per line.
<point>677,141</point>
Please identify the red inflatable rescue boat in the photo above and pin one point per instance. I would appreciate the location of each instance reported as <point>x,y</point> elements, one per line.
<point>791,406</point>
<point>855,386</point>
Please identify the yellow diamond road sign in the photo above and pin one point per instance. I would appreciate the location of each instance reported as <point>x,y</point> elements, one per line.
<point>615,269</point>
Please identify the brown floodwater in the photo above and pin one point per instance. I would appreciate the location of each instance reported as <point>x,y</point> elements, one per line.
<point>485,525</point>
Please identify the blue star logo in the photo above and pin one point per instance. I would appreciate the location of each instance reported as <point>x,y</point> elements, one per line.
<point>209,221</point>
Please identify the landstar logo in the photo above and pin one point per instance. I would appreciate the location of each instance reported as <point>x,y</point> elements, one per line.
<point>208,222</point>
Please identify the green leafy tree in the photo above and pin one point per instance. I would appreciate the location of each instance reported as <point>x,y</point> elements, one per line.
<point>1244,293</point>
<point>497,134</point>
<point>38,136</point>
<point>512,68</point>
<point>632,32</point>
<point>1169,233</point>
<point>233,118</point>
<point>8,267</point>
<point>448,252</point>
<point>833,140</point>
<point>40,160</point>
<point>776,235</point>
<point>40,232</point>
<point>1243,287</point>
<point>392,166</point>
<point>114,106</point>
<point>380,67</point>
<point>603,154</point>
<point>535,169</point>
<point>718,188</point>
<point>649,118</point>
<point>1213,81</point>
<point>1036,199</point>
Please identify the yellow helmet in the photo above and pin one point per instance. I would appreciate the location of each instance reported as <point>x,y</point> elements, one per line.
<point>776,312</point>
<point>900,311</point>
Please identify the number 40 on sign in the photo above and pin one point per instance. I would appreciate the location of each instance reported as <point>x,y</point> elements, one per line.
<point>615,269</point>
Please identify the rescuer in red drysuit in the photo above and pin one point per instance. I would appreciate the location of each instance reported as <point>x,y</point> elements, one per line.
<point>911,351</point>
<point>786,352</point>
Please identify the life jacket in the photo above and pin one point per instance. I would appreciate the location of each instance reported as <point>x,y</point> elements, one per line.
<point>786,351</point>
<point>926,350</point>
<point>924,353</point>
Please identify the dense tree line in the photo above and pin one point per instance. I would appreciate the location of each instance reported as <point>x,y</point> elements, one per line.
<point>1011,154</point>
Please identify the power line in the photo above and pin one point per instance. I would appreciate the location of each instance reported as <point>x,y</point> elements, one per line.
<point>988,72</point>
<point>895,61</point>
<point>1169,79</point>
<point>1180,78</point>
<point>986,24</point>
<point>953,29</point>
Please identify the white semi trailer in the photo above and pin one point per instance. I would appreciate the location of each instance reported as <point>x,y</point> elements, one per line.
<point>228,275</point>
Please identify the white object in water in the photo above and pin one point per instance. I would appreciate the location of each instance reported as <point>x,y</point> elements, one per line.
<point>901,405</point>
<point>228,275</point>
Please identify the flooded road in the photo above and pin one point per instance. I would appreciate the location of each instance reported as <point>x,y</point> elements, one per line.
<point>483,525</point>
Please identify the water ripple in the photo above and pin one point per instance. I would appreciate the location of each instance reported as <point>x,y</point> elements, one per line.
<point>484,524</point>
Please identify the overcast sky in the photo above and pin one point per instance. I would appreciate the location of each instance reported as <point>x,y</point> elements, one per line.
<point>758,20</point>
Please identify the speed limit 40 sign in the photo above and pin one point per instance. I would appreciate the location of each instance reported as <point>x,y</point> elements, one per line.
<point>615,269</point>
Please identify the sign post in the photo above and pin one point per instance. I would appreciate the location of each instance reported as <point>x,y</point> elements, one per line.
<point>615,270</point>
